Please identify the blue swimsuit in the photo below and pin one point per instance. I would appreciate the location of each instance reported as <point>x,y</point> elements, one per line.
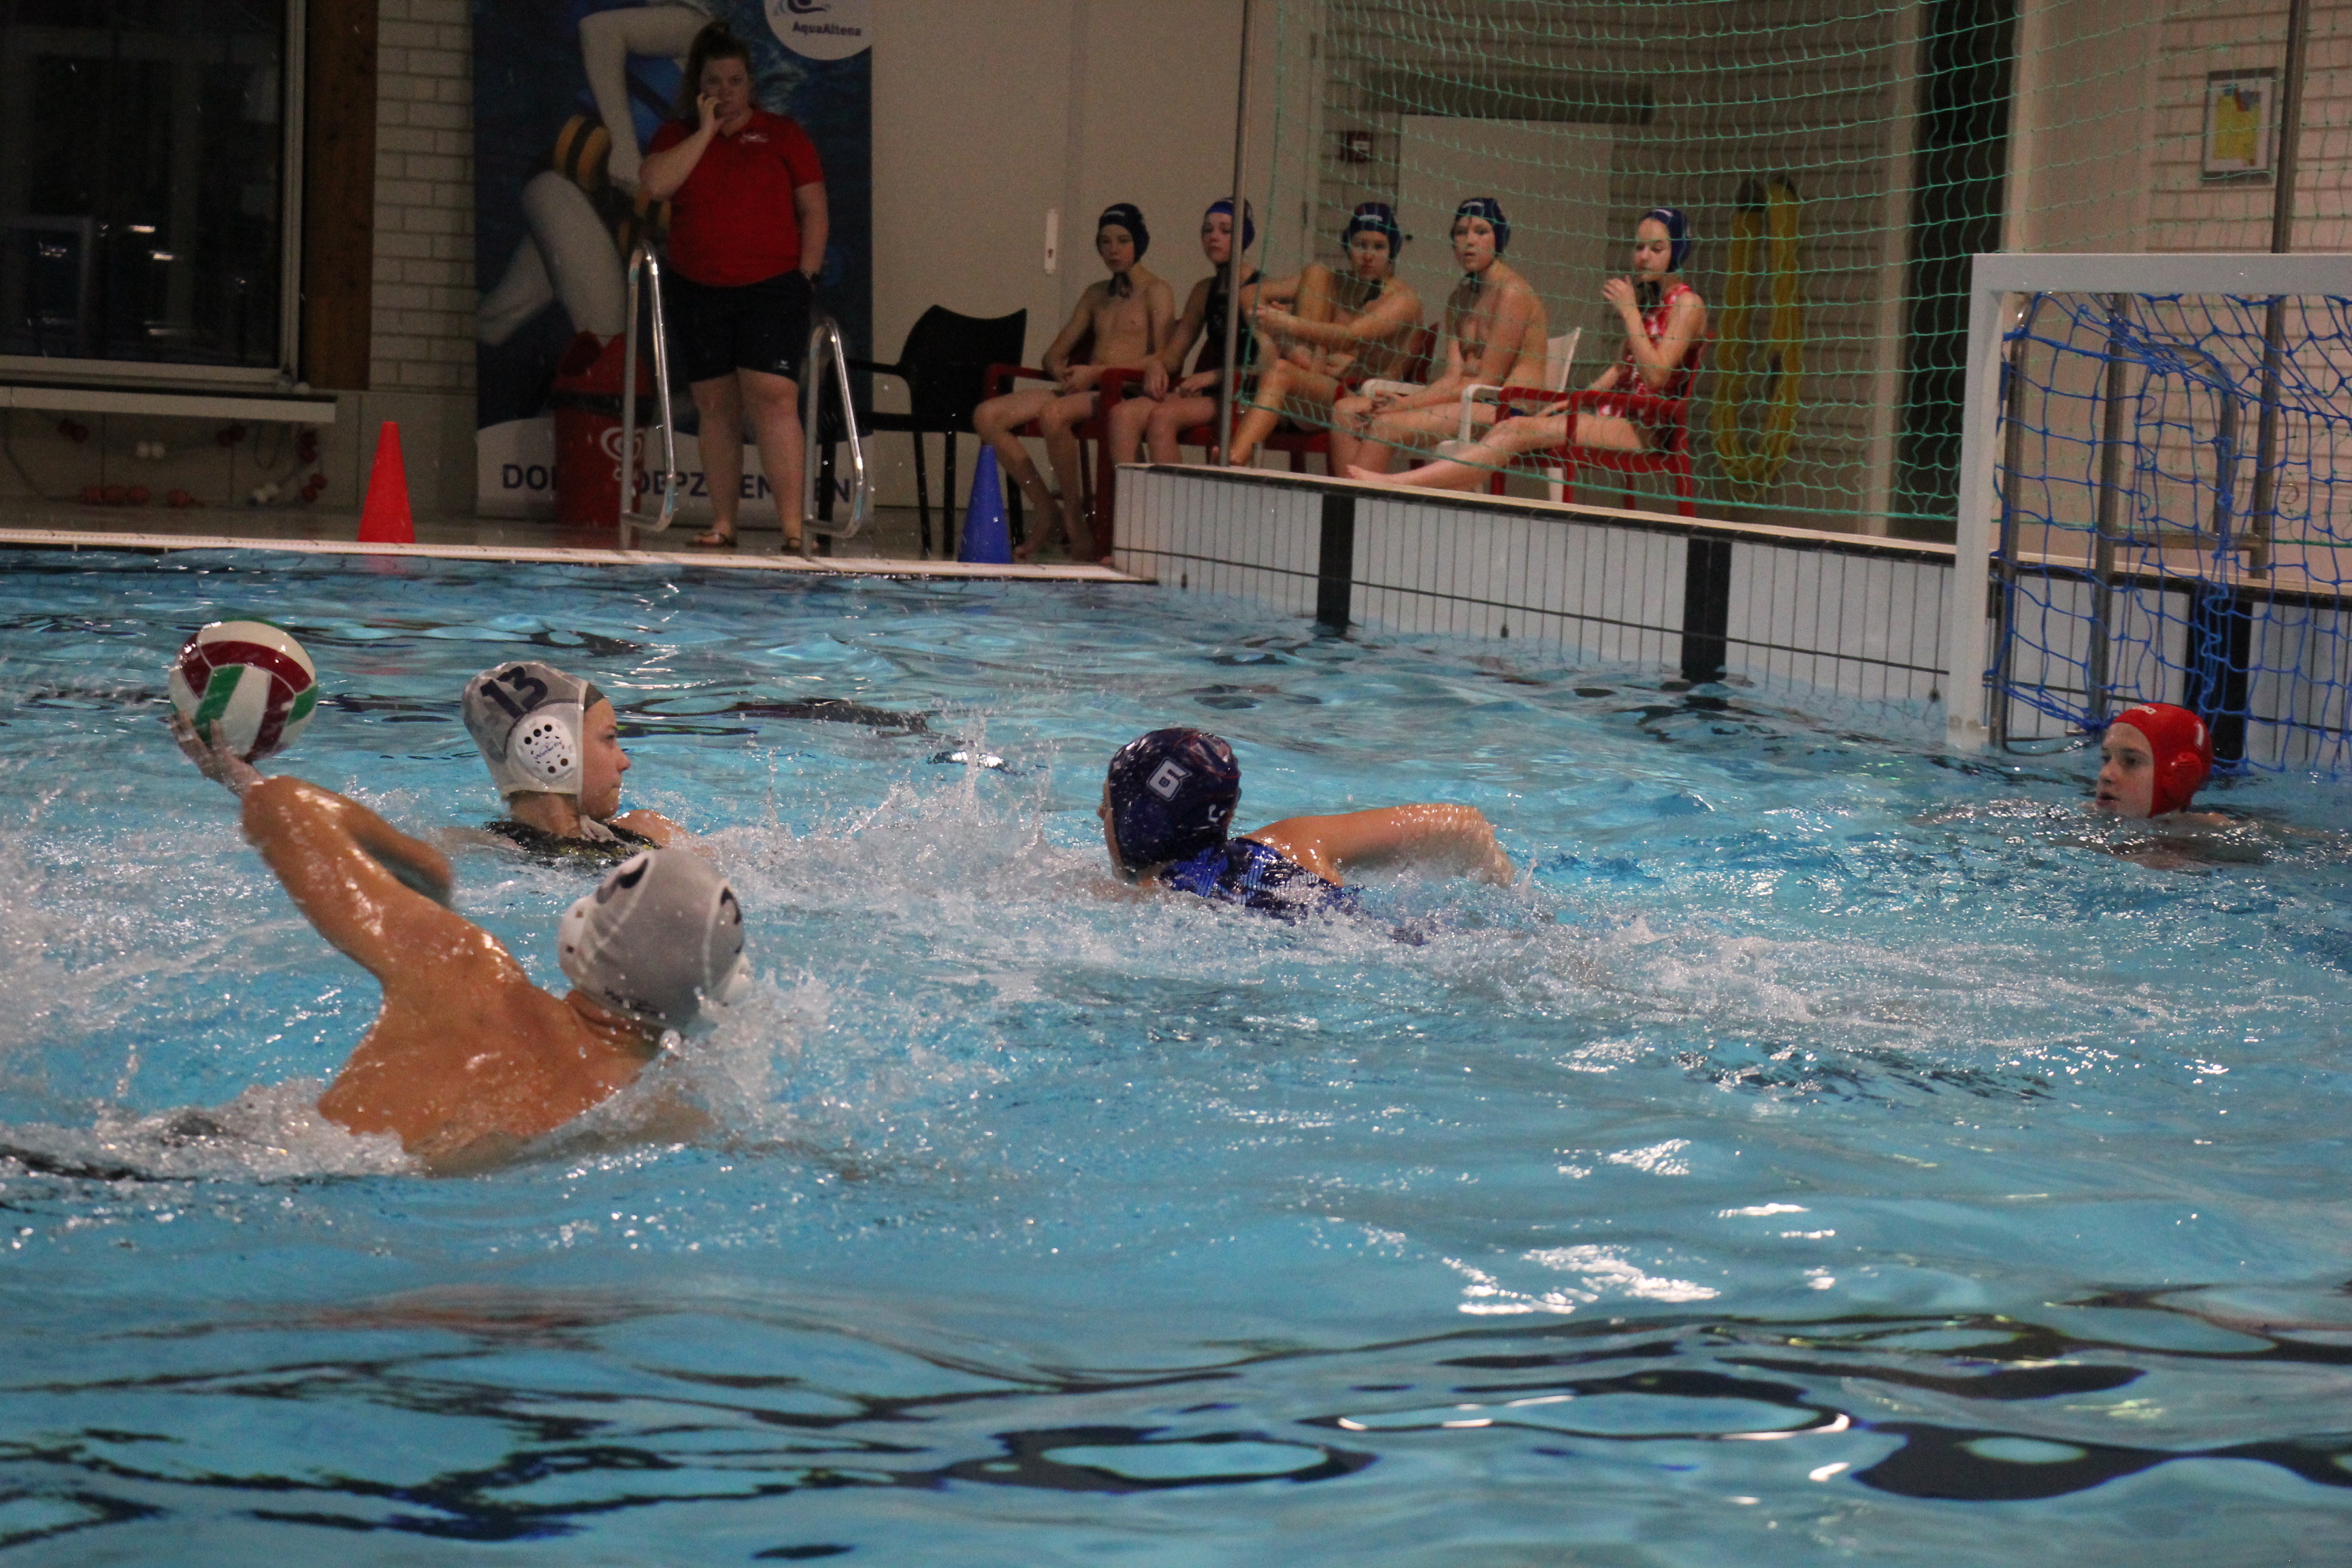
<point>1245,872</point>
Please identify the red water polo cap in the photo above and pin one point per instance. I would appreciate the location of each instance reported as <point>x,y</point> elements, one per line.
<point>2183,748</point>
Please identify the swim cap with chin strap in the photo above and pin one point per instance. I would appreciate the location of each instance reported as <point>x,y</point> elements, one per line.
<point>1225,205</point>
<point>1490,209</point>
<point>528,720</point>
<point>2183,746</point>
<point>1678,229</point>
<point>1374,217</point>
<point>1129,217</point>
<point>1172,794</point>
<point>660,937</point>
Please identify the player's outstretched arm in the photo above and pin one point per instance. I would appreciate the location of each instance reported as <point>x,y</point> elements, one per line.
<point>369,887</point>
<point>1431,836</point>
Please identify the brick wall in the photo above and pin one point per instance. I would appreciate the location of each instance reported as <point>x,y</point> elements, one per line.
<point>423,317</point>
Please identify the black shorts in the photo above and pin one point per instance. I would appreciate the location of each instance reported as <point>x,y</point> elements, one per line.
<point>759,326</point>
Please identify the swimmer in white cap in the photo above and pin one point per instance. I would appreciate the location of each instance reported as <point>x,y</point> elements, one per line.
<point>468,1060</point>
<point>552,745</point>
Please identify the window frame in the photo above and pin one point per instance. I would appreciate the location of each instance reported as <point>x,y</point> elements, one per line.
<point>286,373</point>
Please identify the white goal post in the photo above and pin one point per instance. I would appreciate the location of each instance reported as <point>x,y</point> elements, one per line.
<point>1994,282</point>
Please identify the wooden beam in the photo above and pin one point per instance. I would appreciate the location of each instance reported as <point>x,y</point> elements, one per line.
<point>338,192</point>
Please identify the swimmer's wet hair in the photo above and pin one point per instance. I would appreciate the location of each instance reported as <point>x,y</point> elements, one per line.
<point>715,42</point>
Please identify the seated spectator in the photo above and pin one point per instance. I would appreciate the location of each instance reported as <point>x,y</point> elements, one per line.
<point>1496,336</point>
<point>1340,332</point>
<point>1168,407</point>
<point>1665,328</point>
<point>1124,320</point>
<point>552,745</point>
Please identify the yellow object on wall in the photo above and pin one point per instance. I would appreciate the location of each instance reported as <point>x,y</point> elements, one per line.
<point>1760,359</point>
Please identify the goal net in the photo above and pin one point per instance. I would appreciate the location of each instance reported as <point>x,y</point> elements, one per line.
<point>2154,490</point>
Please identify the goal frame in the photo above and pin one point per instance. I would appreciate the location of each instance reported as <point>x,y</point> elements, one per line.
<point>1993,281</point>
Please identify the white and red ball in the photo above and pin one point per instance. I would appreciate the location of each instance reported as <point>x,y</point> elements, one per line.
<point>251,678</point>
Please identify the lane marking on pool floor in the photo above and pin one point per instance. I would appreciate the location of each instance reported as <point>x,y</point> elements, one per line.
<point>842,566</point>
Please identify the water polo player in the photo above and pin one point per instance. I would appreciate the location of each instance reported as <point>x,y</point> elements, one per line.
<point>468,1060</point>
<point>552,743</point>
<point>1123,322</point>
<point>2153,761</point>
<point>1169,406</point>
<point>1168,808</point>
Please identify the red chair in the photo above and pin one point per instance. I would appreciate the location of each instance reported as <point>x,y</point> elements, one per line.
<point>1095,476</point>
<point>1667,419</point>
<point>1420,350</point>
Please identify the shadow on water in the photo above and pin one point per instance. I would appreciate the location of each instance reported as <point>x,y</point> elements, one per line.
<point>546,1457</point>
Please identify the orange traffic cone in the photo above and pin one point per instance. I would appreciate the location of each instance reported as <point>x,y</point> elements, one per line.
<point>386,519</point>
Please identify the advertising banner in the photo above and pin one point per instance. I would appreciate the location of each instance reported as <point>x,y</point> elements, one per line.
<point>567,95</point>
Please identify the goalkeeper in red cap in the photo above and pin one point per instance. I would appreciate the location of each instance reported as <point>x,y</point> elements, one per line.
<point>2153,761</point>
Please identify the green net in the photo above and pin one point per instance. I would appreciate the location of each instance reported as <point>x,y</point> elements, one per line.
<point>1839,162</point>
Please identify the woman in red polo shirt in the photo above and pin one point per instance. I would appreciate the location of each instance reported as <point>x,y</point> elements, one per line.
<point>747,235</point>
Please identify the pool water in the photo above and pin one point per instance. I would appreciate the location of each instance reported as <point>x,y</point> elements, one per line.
<point>1827,1150</point>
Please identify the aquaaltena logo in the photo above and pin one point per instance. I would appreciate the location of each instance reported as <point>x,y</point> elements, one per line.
<point>822,29</point>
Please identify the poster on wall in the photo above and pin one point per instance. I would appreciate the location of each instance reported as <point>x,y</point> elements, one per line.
<point>2238,124</point>
<point>567,94</point>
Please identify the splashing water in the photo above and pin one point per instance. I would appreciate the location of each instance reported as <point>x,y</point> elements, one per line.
<point>1824,1150</point>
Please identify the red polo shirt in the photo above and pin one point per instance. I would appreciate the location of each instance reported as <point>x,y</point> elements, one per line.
<point>732,222</point>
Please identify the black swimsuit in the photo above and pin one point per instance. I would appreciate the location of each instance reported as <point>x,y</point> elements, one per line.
<point>549,849</point>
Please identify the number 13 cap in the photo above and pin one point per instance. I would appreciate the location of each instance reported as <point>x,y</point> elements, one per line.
<point>527,718</point>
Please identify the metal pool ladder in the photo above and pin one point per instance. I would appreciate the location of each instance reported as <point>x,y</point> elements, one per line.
<point>646,263</point>
<point>823,344</point>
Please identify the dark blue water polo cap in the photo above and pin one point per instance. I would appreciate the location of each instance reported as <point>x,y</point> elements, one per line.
<point>1490,209</point>
<point>1172,794</point>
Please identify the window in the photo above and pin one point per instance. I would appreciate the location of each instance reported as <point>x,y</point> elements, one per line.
<point>144,178</point>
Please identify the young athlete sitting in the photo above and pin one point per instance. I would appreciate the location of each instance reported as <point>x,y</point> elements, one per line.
<point>1170,406</point>
<point>2153,761</point>
<point>468,1060</point>
<point>1666,328</point>
<point>1127,318</point>
<point>1496,336</point>
<point>1337,333</point>
<point>554,748</point>
<point>1168,806</point>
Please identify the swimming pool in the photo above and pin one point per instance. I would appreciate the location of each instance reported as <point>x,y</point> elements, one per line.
<point>1830,1151</point>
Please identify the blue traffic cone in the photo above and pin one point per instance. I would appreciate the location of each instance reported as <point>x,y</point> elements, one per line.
<point>986,542</point>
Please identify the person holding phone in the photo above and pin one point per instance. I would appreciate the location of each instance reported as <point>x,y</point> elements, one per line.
<point>747,236</point>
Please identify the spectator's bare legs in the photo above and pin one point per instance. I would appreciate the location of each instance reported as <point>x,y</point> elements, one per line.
<point>1171,417</point>
<point>1409,429</point>
<point>1287,387</point>
<point>1350,416</point>
<point>995,420</point>
<point>1515,438</point>
<point>775,404</point>
<point>1056,423</point>
<point>720,403</point>
<point>1127,427</point>
<point>775,407</point>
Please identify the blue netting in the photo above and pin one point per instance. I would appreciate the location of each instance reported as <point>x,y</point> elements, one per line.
<point>2146,552</point>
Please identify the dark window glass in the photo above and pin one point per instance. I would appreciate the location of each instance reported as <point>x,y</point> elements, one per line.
<point>142,154</point>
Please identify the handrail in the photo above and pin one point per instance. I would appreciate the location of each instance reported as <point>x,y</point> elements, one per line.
<point>626,457</point>
<point>824,342</point>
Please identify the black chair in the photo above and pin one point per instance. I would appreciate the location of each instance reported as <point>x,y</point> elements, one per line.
<point>944,364</point>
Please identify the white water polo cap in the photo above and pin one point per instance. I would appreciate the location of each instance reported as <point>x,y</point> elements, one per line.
<point>528,720</point>
<point>658,939</point>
